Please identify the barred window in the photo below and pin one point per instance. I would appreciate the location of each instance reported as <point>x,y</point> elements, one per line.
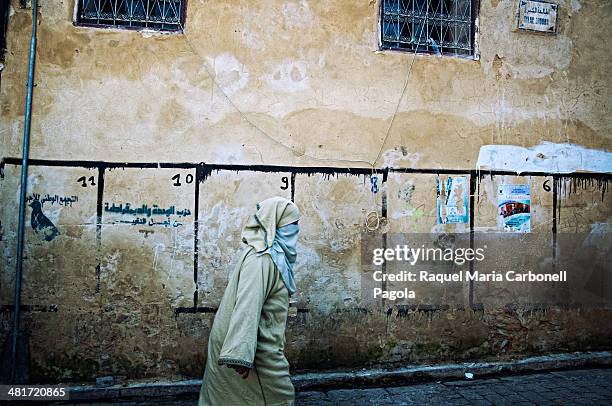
<point>4,15</point>
<point>161,15</point>
<point>443,27</point>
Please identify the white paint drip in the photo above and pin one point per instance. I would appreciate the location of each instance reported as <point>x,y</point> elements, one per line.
<point>156,250</point>
<point>547,157</point>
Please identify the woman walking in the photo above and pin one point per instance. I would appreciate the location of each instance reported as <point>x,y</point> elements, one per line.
<point>246,364</point>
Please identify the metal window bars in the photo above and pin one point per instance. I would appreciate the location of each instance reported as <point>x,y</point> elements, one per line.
<point>430,26</point>
<point>162,15</point>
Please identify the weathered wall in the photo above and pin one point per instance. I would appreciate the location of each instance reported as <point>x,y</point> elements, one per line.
<point>129,299</point>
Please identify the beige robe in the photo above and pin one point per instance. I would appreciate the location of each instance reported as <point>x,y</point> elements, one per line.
<point>249,330</point>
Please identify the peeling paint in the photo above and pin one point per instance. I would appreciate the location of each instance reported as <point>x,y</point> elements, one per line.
<point>546,157</point>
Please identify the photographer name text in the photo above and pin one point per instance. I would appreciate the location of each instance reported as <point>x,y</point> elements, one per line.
<point>458,256</point>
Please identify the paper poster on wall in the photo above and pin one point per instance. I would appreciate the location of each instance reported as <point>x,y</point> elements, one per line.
<point>452,199</point>
<point>514,208</point>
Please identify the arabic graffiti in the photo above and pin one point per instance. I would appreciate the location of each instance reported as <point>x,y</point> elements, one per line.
<point>60,200</point>
<point>140,221</point>
<point>145,209</point>
<point>145,212</point>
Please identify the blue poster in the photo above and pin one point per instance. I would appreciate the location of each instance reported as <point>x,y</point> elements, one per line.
<point>514,208</point>
<point>452,200</point>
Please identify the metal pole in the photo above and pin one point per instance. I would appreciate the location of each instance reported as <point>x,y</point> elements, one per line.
<point>24,186</point>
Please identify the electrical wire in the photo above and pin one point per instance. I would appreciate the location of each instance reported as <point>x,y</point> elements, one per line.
<point>399,102</point>
<point>251,123</point>
<point>372,220</point>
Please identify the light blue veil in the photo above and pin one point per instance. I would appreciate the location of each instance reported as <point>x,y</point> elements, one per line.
<point>283,252</point>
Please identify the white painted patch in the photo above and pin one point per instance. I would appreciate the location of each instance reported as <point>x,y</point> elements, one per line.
<point>149,33</point>
<point>297,14</point>
<point>547,157</point>
<point>227,152</point>
<point>322,60</point>
<point>230,73</point>
<point>290,76</point>
<point>393,158</point>
<point>576,5</point>
<point>252,40</point>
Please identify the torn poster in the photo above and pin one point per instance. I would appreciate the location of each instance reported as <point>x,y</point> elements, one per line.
<point>514,208</point>
<point>452,199</point>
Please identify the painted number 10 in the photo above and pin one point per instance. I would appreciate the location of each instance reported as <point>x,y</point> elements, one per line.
<point>177,179</point>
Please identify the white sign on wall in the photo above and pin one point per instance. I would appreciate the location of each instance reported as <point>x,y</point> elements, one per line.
<point>537,16</point>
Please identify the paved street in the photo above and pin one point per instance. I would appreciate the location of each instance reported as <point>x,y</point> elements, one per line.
<point>579,387</point>
<point>576,387</point>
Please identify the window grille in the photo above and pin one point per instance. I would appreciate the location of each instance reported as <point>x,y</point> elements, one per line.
<point>161,15</point>
<point>4,15</point>
<point>444,27</point>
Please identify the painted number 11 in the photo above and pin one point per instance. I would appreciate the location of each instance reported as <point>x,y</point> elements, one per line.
<point>84,181</point>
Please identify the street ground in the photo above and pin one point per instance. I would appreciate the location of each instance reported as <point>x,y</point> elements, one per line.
<point>578,387</point>
<point>572,387</point>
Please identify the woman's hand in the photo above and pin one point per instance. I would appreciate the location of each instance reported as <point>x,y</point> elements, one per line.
<point>242,371</point>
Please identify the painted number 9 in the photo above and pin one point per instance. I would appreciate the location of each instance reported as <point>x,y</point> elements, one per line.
<point>177,179</point>
<point>285,181</point>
